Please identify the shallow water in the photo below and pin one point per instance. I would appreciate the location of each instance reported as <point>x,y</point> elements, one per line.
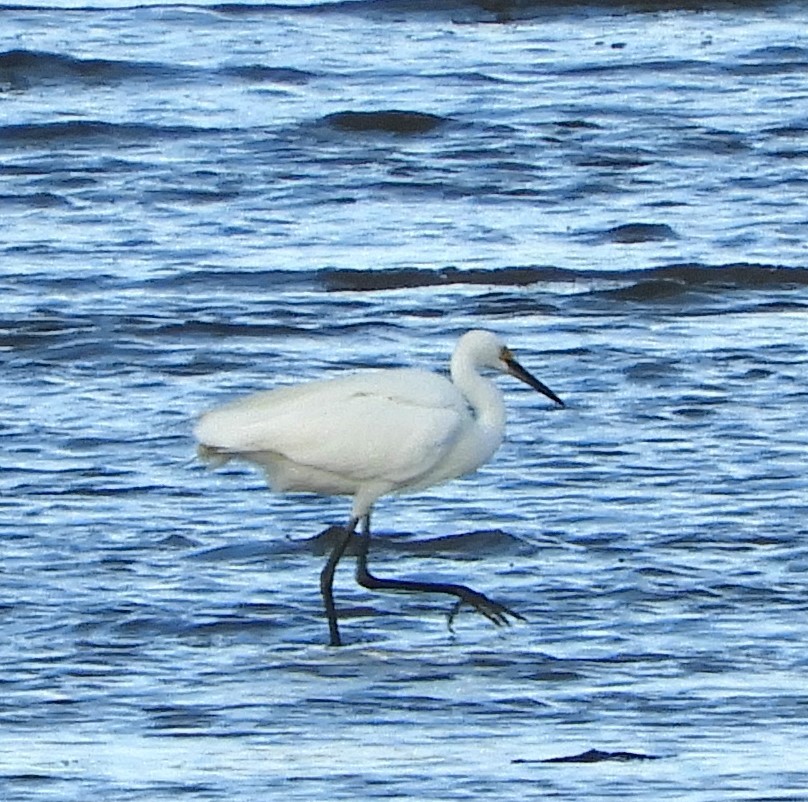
<point>616,189</point>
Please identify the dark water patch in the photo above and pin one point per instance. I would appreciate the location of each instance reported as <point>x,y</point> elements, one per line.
<point>259,73</point>
<point>145,625</point>
<point>392,121</point>
<point>768,68</point>
<point>554,675</point>
<point>798,154</point>
<point>206,277</point>
<point>91,132</point>
<point>704,140</point>
<point>369,280</point>
<point>212,329</point>
<point>780,52</point>
<point>652,370</point>
<point>78,489</point>
<point>641,67</point>
<point>694,282</point>
<point>192,195</point>
<point>249,551</point>
<point>459,11</point>
<point>593,756</point>
<point>21,69</point>
<point>577,125</point>
<point>483,542</point>
<point>650,283</point>
<point>793,131</point>
<point>507,305</point>
<point>32,778</point>
<point>739,275</point>
<point>781,305</point>
<point>177,541</point>
<point>50,168</point>
<point>470,77</point>
<point>491,11</point>
<point>616,159</point>
<point>35,329</point>
<point>771,60</point>
<point>185,717</point>
<point>35,200</point>
<point>632,233</point>
<point>648,291</point>
<point>349,7</point>
<point>755,374</point>
<point>232,625</point>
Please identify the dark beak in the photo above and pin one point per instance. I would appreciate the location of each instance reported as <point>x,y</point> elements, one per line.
<point>518,372</point>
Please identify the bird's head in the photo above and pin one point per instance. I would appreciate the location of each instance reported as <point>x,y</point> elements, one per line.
<point>486,350</point>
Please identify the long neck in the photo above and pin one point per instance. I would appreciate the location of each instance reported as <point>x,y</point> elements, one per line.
<point>482,394</point>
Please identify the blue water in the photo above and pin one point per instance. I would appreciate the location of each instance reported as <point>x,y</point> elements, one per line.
<point>202,201</point>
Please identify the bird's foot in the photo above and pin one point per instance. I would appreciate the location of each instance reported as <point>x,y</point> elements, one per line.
<point>492,610</point>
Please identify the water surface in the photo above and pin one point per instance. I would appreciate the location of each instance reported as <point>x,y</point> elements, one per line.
<point>198,201</point>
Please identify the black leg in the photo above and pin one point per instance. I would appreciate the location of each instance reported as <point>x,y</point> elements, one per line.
<point>327,581</point>
<point>493,611</point>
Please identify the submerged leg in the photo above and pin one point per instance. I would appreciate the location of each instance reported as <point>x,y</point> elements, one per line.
<point>493,611</point>
<point>327,580</point>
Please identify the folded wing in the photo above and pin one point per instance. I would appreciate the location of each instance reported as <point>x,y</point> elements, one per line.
<point>390,426</point>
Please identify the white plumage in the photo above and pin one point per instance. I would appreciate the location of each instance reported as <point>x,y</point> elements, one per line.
<point>372,433</point>
<point>338,436</point>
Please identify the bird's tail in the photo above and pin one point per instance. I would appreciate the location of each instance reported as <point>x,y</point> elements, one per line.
<point>214,457</point>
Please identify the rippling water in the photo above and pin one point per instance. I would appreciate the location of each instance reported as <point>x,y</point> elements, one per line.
<point>200,201</point>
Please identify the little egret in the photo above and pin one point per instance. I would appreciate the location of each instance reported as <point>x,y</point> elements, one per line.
<point>369,434</point>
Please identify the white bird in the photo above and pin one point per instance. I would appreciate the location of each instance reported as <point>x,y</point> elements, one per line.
<point>370,434</point>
